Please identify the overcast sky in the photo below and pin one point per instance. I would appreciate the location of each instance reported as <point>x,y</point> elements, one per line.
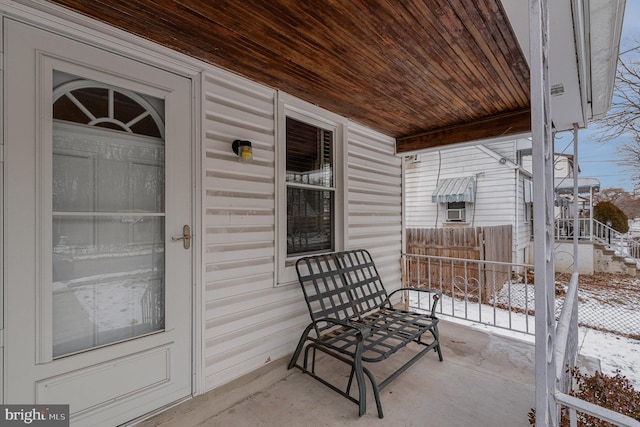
<point>597,159</point>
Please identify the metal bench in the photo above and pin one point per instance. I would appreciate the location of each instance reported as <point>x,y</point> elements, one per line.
<point>353,320</point>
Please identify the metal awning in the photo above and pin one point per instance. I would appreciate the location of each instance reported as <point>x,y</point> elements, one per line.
<point>461,189</point>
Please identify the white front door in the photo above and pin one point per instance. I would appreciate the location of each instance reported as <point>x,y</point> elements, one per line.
<point>98,210</point>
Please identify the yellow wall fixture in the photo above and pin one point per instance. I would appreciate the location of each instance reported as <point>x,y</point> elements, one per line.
<point>243,150</point>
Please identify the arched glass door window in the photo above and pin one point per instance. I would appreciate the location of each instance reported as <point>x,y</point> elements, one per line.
<point>97,104</point>
<point>108,214</point>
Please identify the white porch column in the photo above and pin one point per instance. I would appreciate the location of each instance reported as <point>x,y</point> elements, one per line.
<point>542,139</point>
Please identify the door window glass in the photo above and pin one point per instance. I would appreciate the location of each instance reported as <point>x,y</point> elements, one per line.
<point>108,215</point>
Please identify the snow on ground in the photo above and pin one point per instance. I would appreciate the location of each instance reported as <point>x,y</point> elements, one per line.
<point>608,302</point>
<point>481,313</point>
<point>104,308</point>
<point>613,351</point>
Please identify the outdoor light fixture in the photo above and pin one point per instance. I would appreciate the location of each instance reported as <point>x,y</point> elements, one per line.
<point>557,90</point>
<point>243,150</point>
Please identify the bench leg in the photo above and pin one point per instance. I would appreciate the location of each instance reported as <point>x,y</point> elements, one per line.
<point>357,370</point>
<point>376,392</point>
<point>362,389</point>
<point>436,336</point>
<point>296,354</point>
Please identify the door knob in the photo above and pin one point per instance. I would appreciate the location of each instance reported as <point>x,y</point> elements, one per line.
<point>186,237</point>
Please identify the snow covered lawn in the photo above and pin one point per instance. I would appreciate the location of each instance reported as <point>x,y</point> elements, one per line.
<point>609,317</point>
<point>614,352</point>
<point>607,302</point>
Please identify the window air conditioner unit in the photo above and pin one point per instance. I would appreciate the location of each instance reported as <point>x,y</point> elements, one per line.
<point>455,214</point>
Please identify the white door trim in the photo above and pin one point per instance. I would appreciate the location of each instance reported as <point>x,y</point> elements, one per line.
<point>67,23</point>
<point>191,153</point>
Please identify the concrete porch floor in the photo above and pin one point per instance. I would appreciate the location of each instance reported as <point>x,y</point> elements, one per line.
<point>484,380</point>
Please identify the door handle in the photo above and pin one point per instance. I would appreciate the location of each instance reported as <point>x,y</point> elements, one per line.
<point>186,237</point>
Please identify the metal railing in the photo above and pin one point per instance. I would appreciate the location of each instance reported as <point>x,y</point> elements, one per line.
<point>566,348</point>
<point>577,406</point>
<point>499,294</point>
<point>565,228</point>
<point>622,243</point>
<point>506,292</point>
<point>596,230</point>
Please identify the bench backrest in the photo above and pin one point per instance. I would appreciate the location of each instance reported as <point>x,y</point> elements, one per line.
<point>362,279</point>
<point>343,286</point>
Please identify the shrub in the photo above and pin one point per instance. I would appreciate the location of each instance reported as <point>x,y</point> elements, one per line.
<point>611,392</point>
<point>605,211</point>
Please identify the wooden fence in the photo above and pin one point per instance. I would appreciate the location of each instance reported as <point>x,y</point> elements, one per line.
<point>474,279</point>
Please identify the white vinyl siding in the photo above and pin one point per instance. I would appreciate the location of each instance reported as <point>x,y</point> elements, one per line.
<point>248,321</point>
<point>495,188</point>
<point>499,200</point>
<point>239,226</point>
<point>506,149</point>
<point>374,200</point>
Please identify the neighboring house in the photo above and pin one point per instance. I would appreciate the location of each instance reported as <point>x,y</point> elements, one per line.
<point>592,256</point>
<point>564,173</point>
<point>491,184</point>
<point>479,185</point>
<point>143,263</point>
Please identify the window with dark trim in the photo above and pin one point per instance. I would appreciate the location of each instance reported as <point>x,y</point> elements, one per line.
<point>310,188</point>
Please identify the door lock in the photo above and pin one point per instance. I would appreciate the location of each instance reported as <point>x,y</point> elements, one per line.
<point>186,237</point>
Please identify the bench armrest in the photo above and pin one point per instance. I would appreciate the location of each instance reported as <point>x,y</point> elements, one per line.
<point>363,331</point>
<point>437,296</point>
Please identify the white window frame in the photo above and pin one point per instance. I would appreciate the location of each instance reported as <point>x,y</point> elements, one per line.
<point>289,106</point>
<point>528,212</point>
<point>527,199</point>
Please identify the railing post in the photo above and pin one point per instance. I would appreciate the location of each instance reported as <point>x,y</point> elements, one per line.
<point>591,214</point>
<point>576,204</point>
<point>542,148</point>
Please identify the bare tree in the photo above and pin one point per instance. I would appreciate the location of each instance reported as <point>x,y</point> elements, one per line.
<point>612,194</point>
<point>623,120</point>
<point>624,116</point>
<point>625,201</point>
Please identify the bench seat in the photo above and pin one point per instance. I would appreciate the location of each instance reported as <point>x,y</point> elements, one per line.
<point>353,320</point>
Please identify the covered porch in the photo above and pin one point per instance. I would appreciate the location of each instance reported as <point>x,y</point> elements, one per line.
<point>379,80</point>
<point>486,379</point>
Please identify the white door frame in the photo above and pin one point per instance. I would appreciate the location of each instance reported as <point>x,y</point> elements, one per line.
<point>196,196</point>
<point>62,21</point>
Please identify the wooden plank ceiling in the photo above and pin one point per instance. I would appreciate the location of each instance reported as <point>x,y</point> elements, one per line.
<point>428,72</point>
